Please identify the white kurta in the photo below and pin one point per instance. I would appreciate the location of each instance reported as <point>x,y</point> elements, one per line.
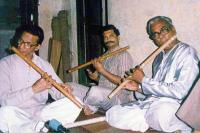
<point>97,97</point>
<point>16,83</point>
<point>173,75</point>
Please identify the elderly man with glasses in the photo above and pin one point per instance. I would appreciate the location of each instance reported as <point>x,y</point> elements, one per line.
<point>174,71</point>
<point>24,92</point>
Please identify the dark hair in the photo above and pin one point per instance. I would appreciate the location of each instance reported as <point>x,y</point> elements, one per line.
<point>110,27</point>
<point>30,28</point>
<point>167,21</point>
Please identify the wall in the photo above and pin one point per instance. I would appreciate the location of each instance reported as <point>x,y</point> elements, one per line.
<point>47,10</point>
<point>130,16</point>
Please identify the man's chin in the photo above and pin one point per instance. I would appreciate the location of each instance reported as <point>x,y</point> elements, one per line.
<point>158,43</point>
<point>24,54</point>
<point>109,45</point>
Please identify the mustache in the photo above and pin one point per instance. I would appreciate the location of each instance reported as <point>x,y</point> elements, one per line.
<point>109,42</point>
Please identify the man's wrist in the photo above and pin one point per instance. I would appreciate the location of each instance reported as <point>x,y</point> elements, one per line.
<point>101,71</point>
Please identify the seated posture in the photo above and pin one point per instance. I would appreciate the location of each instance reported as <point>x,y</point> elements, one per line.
<point>189,110</point>
<point>174,71</point>
<point>24,92</point>
<point>108,75</point>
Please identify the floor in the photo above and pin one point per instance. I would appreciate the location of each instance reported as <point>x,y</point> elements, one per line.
<point>101,127</point>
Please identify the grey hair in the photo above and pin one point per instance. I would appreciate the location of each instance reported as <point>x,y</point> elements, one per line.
<point>167,20</point>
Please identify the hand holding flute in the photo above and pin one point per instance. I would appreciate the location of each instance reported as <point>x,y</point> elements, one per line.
<point>43,84</point>
<point>133,79</point>
<point>137,74</point>
<point>46,80</point>
<point>101,58</point>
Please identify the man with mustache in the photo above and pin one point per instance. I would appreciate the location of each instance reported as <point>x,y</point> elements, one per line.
<point>107,74</point>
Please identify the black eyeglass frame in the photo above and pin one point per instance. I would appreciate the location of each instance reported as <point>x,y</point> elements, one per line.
<point>163,31</point>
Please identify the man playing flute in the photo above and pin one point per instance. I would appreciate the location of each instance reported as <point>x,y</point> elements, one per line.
<point>24,92</point>
<point>174,71</point>
<point>107,74</point>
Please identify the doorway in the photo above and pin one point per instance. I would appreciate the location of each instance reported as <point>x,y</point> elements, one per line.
<point>89,23</point>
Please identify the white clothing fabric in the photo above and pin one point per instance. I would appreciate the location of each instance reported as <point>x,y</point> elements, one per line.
<point>63,110</point>
<point>15,120</point>
<point>173,75</point>
<point>132,113</point>
<point>16,81</point>
<point>97,96</point>
<point>139,116</point>
<point>117,65</point>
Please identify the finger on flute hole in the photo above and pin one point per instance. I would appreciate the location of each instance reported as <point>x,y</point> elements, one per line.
<point>125,76</point>
<point>49,78</point>
<point>123,79</point>
<point>45,75</point>
<point>128,73</point>
<point>138,68</point>
<point>89,71</point>
<point>132,70</point>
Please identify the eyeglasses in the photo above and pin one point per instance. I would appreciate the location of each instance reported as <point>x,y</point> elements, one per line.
<point>26,44</point>
<point>163,31</point>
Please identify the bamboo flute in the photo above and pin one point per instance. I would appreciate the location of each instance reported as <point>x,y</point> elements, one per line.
<point>146,61</point>
<point>101,58</point>
<point>45,75</point>
<point>85,122</point>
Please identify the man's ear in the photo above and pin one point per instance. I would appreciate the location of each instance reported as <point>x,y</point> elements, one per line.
<point>173,29</point>
<point>38,47</point>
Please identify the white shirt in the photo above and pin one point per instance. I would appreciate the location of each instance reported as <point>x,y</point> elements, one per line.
<point>16,81</point>
<point>173,73</point>
<point>117,65</point>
